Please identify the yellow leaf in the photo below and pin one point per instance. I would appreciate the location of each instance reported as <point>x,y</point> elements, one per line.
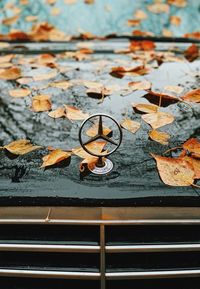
<point>6,58</point>
<point>20,92</point>
<point>158,119</point>
<point>140,85</point>
<point>10,73</point>
<point>158,136</point>
<point>174,171</point>
<point>41,103</point>
<point>192,96</point>
<point>59,112</point>
<point>63,84</point>
<point>74,113</point>
<point>21,147</point>
<point>130,125</point>
<point>93,130</point>
<point>45,76</point>
<point>54,157</point>
<point>146,108</point>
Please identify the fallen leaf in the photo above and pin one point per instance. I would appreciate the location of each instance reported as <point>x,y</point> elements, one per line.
<point>63,84</point>
<point>146,108</point>
<point>158,119</point>
<point>174,171</point>
<point>175,20</point>
<point>55,157</point>
<point>70,1</point>
<point>4,45</point>
<point>10,20</point>
<point>55,11</point>
<point>41,102</point>
<point>140,85</point>
<point>31,18</point>
<point>6,58</point>
<point>158,136</point>
<point>192,52</point>
<point>20,92</point>
<point>59,112</point>
<point>74,113</point>
<point>10,73</point>
<point>20,147</point>
<point>140,14</point>
<point>192,146</point>
<point>45,76</point>
<point>158,8</point>
<point>24,80</point>
<point>141,45</point>
<point>178,3</point>
<point>89,1</point>
<point>120,71</point>
<point>160,98</point>
<point>93,130</point>
<point>192,96</point>
<point>130,125</point>
<point>174,88</point>
<point>133,22</point>
<point>167,32</point>
<point>195,163</point>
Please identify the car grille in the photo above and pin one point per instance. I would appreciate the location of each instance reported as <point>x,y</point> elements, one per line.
<point>99,249</point>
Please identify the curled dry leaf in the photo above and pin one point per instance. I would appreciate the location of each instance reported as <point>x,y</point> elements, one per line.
<point>160,99</point>
<point>93,130</point>
<point>55,157</point>
<point>20,92</point>
<point>59,112</point>
<point>195,163</point>
<point>145,45</point>
<point>74,113</point>
<point>130,125</point>
<point>133,22</point>
<point>174,171</point>
<point>45,76</point>
<point>140,85</point>
<point>6,58</point>
<point>10,73</point>
<point>20,147</point>
<point>192,96</point>
<point>178,3</point>
<point>120,71</point>
<point>174,88</point>
<point>145,108</point>
<point>192,146</point>
<point>192,52</point>
<point>41,102</point>
<point>159,136</point>
<point>158,119</point>
<point>24,80</point>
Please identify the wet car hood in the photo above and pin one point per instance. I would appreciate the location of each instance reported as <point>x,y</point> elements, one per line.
<point>134,179</point>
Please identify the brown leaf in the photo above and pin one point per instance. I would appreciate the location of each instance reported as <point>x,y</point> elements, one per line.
<point>160,98</point>
<point>145,108</point>
<point>10,73</point>
<point>175,20</point>
<point>74,113</point>
<point>41,102</point>
<point>192,52</point>
<point>174,171</point>
<point>120,71</point>
<point>55,157</point>
<point>20,92</point>
<point>130,125</point>
<point>10,20</point>
<point>192,96</point>
<point>192,145</point>
<point>93,130</point>
<point>195,163</point>
<point>158,119</point>
<point>134,22</point>
<point>140,85</point>
<point>20,147</point>
<point>145,45</point>
<point>159,136</point>
<point>59,112</point>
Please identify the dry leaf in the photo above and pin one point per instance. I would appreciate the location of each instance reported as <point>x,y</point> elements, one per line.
<point>140,85</point>
<point>93,130</point>
<point>59,112</point>
<point>167,32</point>
<point>178,3</point>
<point>195,163</point>
<point>193,146</point>
<point>120,71</point>
<point>130,125</point>
<point>74,113</point>
<point>31,18</point>
<point>140,14</point>
<point>174,171</point>
<point>158,119</point>
<point>55,11</point>
<point>146,108</point>
<point>6,58</point>
<point>21,147</point>
<point>192,96</point>
<point>20,92</point>
<point>10,20</point>
<point>10,73</point>
<point>145,45</point>
<point>24,80</point>
<point>158,136</point>
<point>70,1</point>
<point>160,99</point>
<point>133,22</point>
<point>158,8</point>
<point>41,102</point>
<point>45,76</point>
<point>192,52</point>
<point>55,157</point>
<point>174,88</point>
<point>63,84</point>
<point>175,20</point>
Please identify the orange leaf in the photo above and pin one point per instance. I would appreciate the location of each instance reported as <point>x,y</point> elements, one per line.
<point>130,125</point>
<point>41,103</point>
<point>74,113</point>
<point>6,58</point>
<point>10,73</point>
<point>146,108</point>
<point>120,71</point>
<point>20,147</point>
<point>93,130</point>
<point>193,146</point>
<point>192,52</point>
<point>174,171</point>
<point>59,112</point>
<point>158,136</point>
<point>55,157</point>
<point>195,163</point>
<point>192,96</point>
<point>175,20</point>
<point>158,119</point>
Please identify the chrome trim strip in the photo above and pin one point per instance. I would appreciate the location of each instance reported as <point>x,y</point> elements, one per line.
<point>153,274</point>
<point>152,248</point>
<point>49,248</point>
<point>49,274</point>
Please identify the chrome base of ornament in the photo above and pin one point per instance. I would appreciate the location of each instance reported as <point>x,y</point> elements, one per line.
<point>102,170</point>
